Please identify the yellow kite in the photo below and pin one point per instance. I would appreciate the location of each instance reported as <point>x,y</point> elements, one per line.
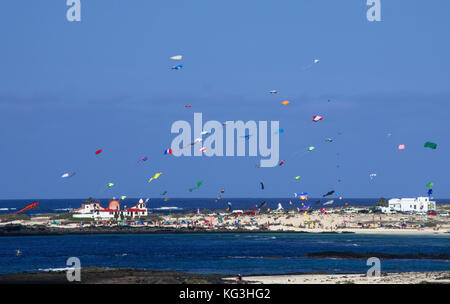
<point>155,176</point>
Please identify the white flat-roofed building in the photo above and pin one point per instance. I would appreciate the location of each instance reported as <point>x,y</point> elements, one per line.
<point>419,204</point>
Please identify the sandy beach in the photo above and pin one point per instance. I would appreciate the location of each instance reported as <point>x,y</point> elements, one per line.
<point>335,220</point>
<point>437,277</point>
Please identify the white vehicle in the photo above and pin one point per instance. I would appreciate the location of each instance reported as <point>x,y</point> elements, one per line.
<point>445,214</point>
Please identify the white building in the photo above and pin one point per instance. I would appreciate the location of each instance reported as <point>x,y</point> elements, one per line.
<point>96,212</point>
<point>420,204</point>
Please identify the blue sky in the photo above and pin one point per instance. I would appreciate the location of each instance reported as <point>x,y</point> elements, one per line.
<point>70,88</point>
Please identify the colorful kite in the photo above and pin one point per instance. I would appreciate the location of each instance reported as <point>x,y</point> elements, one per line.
<point>143,159</point>
<point>311,148</point>
<point>431,145</point>
<point>282,162</point>
<point>199,183</point>
<point>28,207</point>
<point>155,176</point>
<point>167,151</point>
<point>317,118</point>
<point>177,67</point>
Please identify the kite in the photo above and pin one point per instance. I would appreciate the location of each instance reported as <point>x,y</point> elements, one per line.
<point>311,148</point>
<point>202,149</point>
<point>155,176</point>
<point>282,162</point>
<point>188,106</point>
<point>430,191</point>
<point>262,185</point>
<point>143,159</point>
<point>205,133</point>
<point>222,190</point>
<point>303,196</point>
<point>430,185</point>
<point>311,64</point>
<point>164,193</point>
<point>28,207</point>
<point>263,204</point>
<point>177,57</point>
<point>329,139</point>
<point>67,175</point>
<point>98,151</point>
<point>328,193</point>
<point>328,202</point>
<point>297,177</point>
<point>401,147</point>
<point>279,131</point>
<point>199,183</point>
<point>273,92</point>
<point>109,185</point>
<point>316,118</point>
<point>372,175</point>
<point>177,67</point>
<point>166,199</point>
<point>196,141</point>
<point>286,102</point>
<point>167,151</point>
<point>123,197</point>
<point>431,145</point>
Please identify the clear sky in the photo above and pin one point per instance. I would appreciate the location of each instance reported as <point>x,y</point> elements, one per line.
<point>68,89</point>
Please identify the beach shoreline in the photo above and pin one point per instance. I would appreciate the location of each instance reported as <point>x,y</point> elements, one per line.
<point>97,275</point>
<point>24,230</point>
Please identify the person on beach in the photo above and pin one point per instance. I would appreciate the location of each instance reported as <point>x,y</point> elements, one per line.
<point>238,279</point>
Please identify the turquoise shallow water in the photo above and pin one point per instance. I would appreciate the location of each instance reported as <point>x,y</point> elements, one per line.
<point>270,253</point>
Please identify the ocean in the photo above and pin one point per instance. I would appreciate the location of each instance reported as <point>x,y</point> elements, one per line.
<point>186,204</point>
<point>230,254</point>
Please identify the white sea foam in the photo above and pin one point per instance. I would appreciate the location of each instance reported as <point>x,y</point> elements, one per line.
<point>167,208</point>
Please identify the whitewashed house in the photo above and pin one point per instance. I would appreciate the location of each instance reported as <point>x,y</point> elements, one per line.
<point>96,212</point>
<point>419,204</point>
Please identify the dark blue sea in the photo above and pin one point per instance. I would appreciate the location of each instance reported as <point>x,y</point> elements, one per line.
<point>247,254</point>
<point>178,205</point>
